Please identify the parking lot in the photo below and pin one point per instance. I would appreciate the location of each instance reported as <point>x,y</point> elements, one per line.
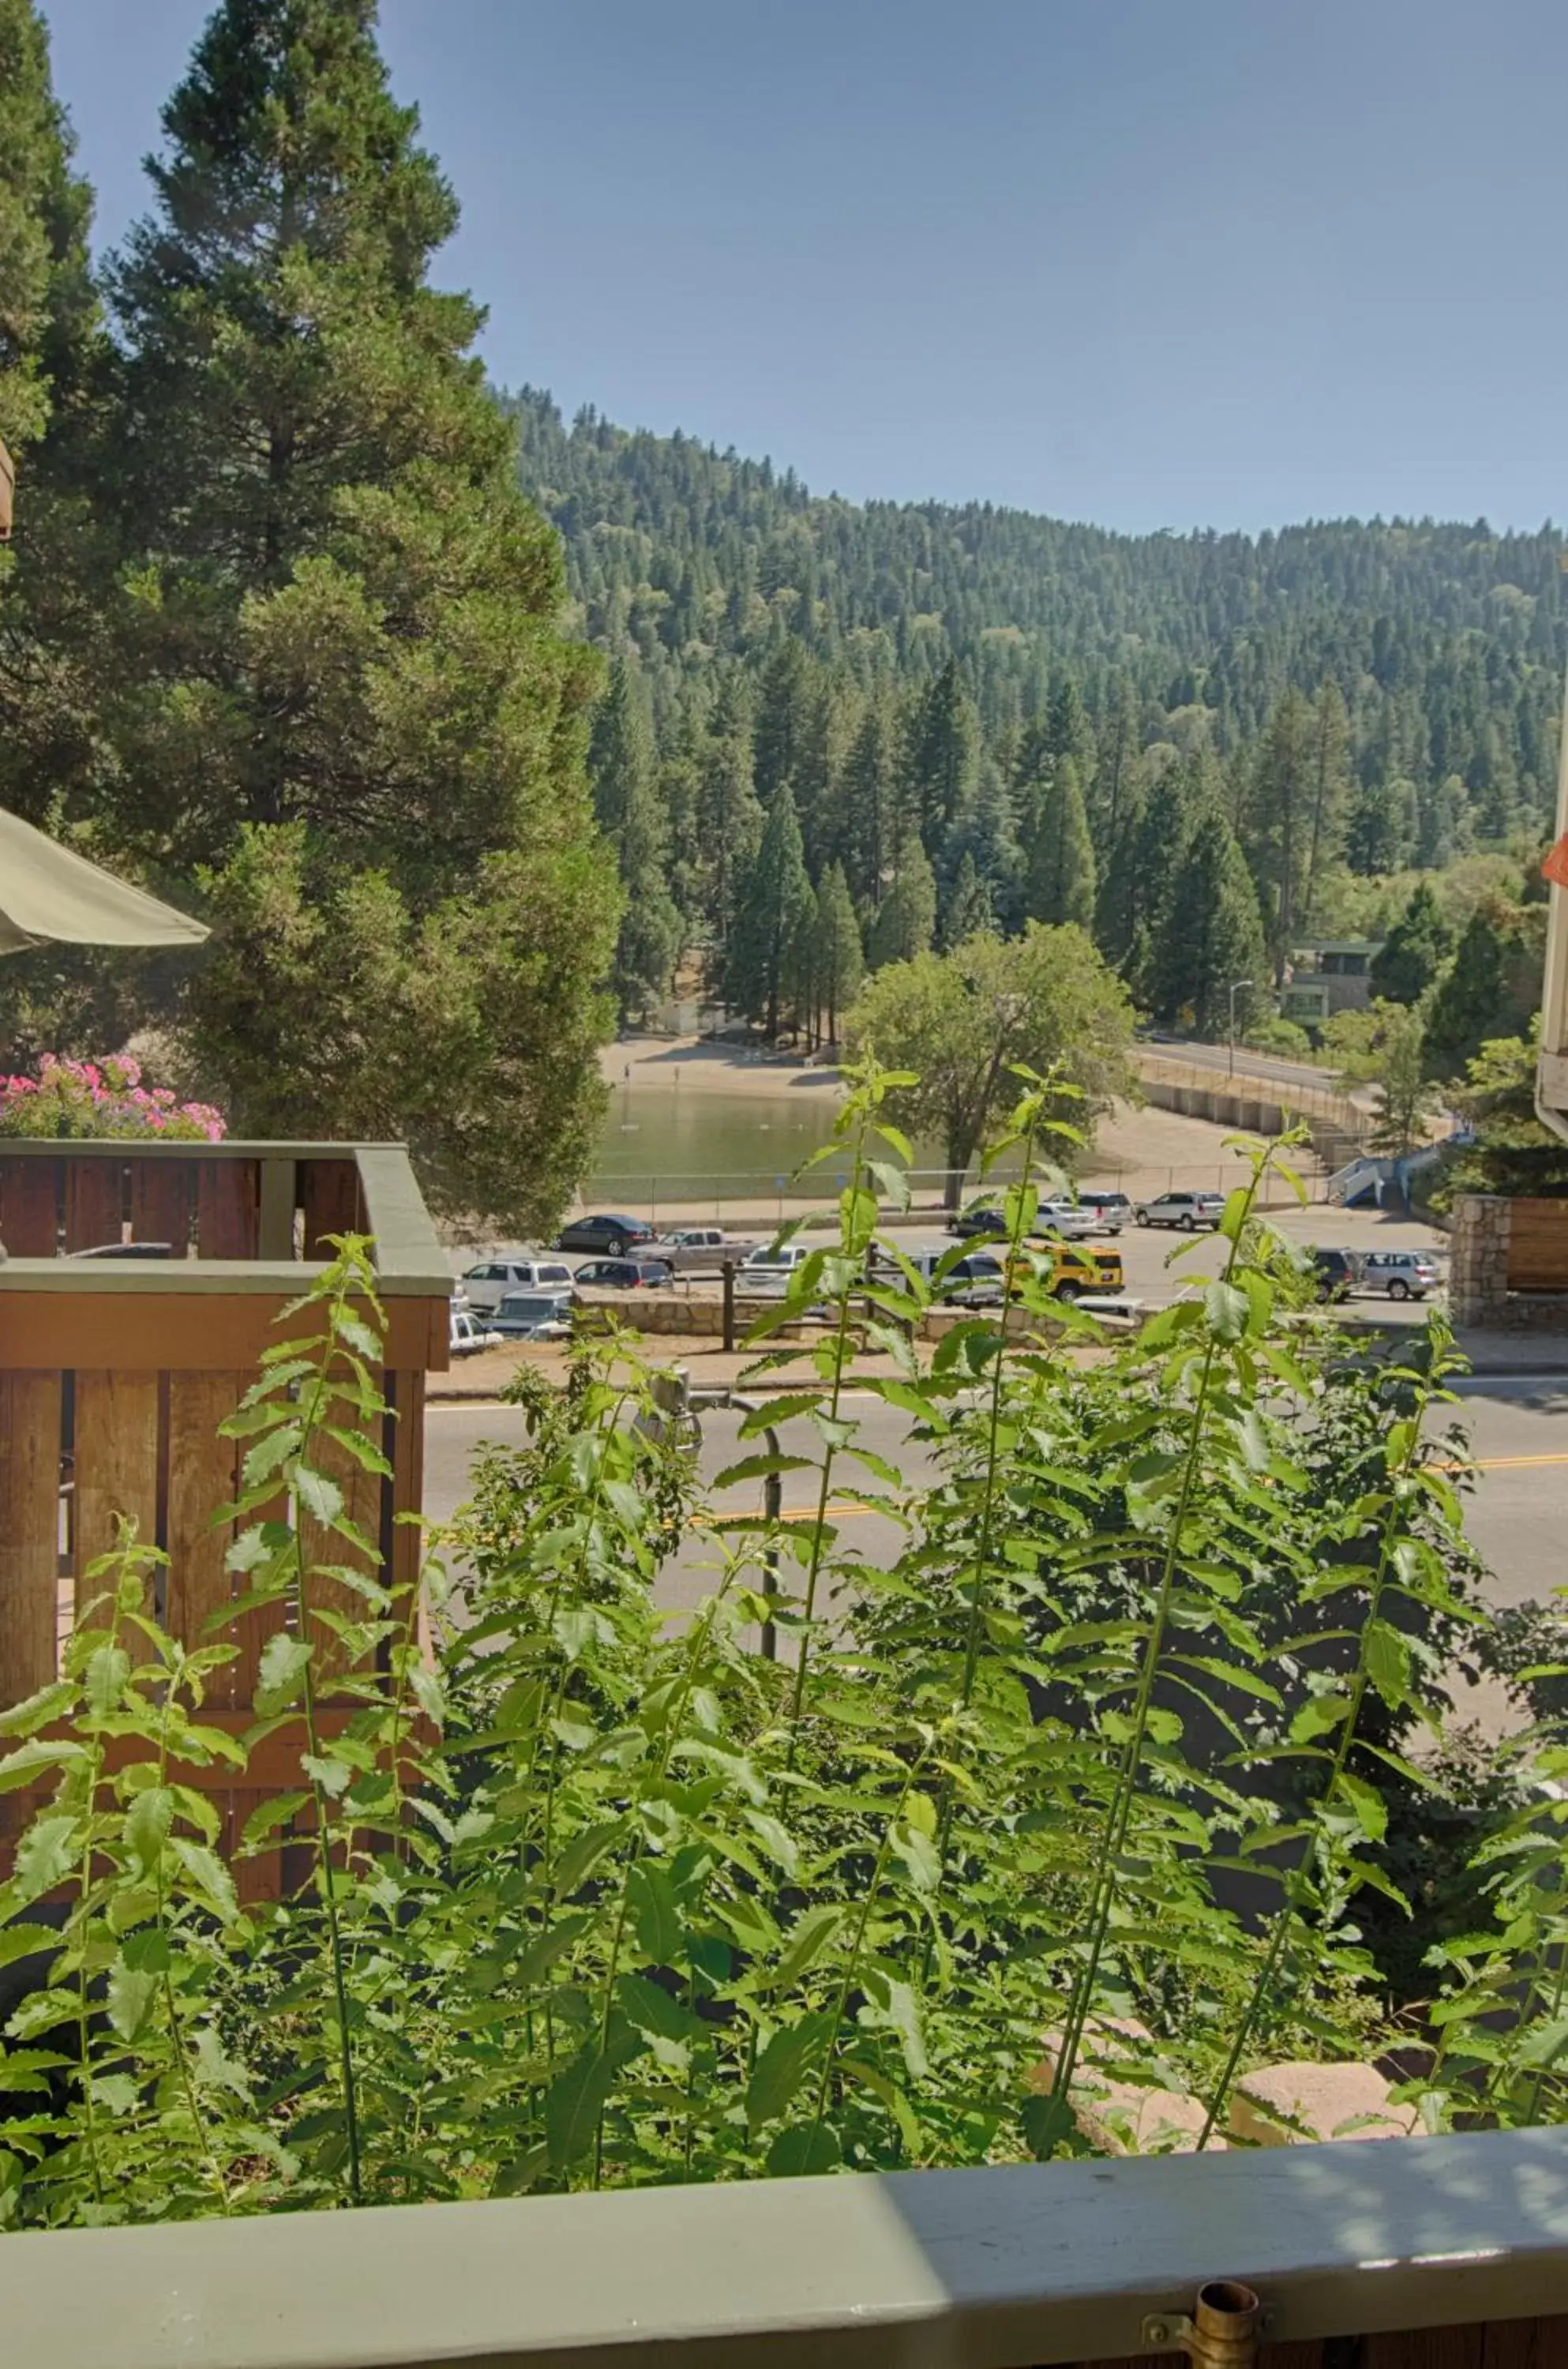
<point>1157,1266</point>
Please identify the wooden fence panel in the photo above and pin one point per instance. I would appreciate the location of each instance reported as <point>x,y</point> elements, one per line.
<point>95,1203</point>
<point>30,1532</point>
<point>228,1209</point>
<point>160,1203</point>
<point>115,1463</point>
<point>29,1221</point>
<point>1538,1245</point>
<point>332,1202</point>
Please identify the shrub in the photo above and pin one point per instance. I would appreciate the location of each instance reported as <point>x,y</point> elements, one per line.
<point>81,1099</point>
<point>592,1900</point>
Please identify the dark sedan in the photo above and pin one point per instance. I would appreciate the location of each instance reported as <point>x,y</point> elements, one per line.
<point>605,1230</point>
<point>625,1275</point>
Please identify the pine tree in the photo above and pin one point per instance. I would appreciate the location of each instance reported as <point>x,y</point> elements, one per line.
<point>1061,884</point>
<point>1415,950</point>
<point>1491,989</point>
<point>621,767</point>
<point>1209,935</point>
<point>906,918</point>
<point>940,756</point>
<point>1281,821</point>
<point>869,794</point>
<point>775,907</point>
<point>838,965</point>
<point>729,816</point>
<point>968,906</point>
<point>343,686</point>
<point>983,837</point>
<point>1330,792</point>
<point>782,734</point>
<point>46,299</point>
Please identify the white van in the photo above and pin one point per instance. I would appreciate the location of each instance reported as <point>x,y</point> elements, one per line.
<point>486,1286</point>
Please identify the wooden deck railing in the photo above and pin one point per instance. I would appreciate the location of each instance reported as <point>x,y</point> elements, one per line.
<point>115,1374</point>
<point>1405,2254</point>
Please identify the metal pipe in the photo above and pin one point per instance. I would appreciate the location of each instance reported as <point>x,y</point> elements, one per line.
<point>1222,2332</point>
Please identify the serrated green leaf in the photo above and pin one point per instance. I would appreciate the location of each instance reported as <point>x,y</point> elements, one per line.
<point>656,1916</point>
<point>802,2150</point>
<point>782,2067</point>
<point>147,1823</point>
<point>318,1493</point>
<point>649,2008</point>
<point>281,1675</point>
<point>131,1997</point>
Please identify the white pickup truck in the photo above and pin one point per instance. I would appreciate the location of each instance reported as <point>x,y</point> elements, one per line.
<point>701,1250</point>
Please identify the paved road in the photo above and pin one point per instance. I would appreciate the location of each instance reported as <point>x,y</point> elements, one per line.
<point>1246,1063</point>
<point>1518,1510</point>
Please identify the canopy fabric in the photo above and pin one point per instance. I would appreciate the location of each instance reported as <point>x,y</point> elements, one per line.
<point>48,892</point>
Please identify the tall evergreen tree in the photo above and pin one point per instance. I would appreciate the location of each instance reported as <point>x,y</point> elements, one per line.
<point>729,816</point>
<point>46,299</point>
<point>906,918</point>
<point>1415,950</point>
<point>984,836</point>
<point>621,767</point>
<point>1061,883</point>
<point>785,714</point>
<point>775,908</point>
<point>868,824</point>
<point>940,756</point>
<point>1209,934</point>
<point>1330,792</point>
<point>967,908</point>
<point>1280,823</point>
<point>837,962</point>
<point>1491,989</point>
<point>344,693</point>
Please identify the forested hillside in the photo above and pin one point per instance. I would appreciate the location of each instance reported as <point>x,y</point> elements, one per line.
<point>1207,746</point>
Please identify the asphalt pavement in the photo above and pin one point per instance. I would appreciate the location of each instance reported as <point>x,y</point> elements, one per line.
<point>1517,1503</point>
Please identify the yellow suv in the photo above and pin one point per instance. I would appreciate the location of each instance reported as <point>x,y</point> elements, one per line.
<point>1076,1271</point>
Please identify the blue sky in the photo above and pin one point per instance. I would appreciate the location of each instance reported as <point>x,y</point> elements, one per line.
<point>1150,262</point>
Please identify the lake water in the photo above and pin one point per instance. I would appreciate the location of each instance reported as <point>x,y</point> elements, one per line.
<point>663,1142</point>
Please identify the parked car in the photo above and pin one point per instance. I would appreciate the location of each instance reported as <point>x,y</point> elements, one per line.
<point>702,1250</point>
<point>1071,1222</point>
<point>1334,1272</point>
<point>130,1249</point>
<point>966,1223</point>
<point>486,1286</point>
<point>534,1316</point>
<point>1112,1208</point>
<point>606,1231</point>
<point>769,1267</point>
<point>1070,1219</point>
<point>973,1281</point>
<point>625,1274</point>
<point>1403,1275</point>
<point>1186,1211</point>
<point>1080,1274</point>
<point>466,1336</point>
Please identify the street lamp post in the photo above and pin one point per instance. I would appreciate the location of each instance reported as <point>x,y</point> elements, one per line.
<point>1237,984</point>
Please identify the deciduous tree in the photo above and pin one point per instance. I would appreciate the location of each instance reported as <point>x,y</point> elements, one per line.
<point>958,1022</point>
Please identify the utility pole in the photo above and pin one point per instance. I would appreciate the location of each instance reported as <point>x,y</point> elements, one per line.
<point>1236,987</point>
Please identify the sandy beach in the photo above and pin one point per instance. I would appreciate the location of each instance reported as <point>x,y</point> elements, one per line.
<point>699,1064</point>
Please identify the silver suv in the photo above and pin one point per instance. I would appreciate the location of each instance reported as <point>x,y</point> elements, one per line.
<point>1403,1275</point>
<point>1186,1211</point>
